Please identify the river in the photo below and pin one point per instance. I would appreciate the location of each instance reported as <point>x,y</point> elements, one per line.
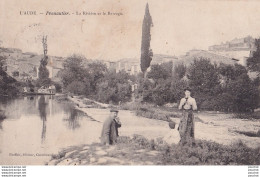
<point>38,126</point>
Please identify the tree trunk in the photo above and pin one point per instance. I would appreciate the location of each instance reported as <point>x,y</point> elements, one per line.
<point>145,75</point>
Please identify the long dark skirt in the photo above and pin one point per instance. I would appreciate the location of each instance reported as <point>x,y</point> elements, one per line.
<point>186,128</point>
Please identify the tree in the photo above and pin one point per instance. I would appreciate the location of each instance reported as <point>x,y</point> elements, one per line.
<point>179,71</point>
<point>239,93</point>
<point>158,72</point>
<point>76,87</point>
<point>75,73</point>
<point>161,93</point>
<point>97,71</point>
<point>43,71</point>
<point>177,87</point>
<point>114,87</point>
<point>146,51</point>
<point>203,80</point>
<point>245,95</point>
<point>253,63</point>
<point>203,76</point>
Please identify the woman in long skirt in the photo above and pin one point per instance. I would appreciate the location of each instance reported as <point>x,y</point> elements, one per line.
<point>186,126</point>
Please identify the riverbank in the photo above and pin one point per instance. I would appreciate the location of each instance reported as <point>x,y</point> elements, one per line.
<point>140,151</point>
<point>218,127</point>
<point>217,135</point>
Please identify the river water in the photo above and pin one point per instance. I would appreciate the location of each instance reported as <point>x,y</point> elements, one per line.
<point>38,126</point>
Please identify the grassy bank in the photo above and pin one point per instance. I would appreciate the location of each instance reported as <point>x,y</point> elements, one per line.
<point>253,115</point>
<point>203,153</point>
<point>141,151</point>
<point>150,111</point>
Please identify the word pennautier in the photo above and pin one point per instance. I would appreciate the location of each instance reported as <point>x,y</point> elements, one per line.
<point>67,13</point>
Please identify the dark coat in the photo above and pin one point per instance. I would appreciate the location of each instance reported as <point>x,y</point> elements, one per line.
<point>106,131</point>
<point>109,132</point>
<point>114,131</point>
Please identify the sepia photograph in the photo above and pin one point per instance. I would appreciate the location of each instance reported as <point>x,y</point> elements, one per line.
<point>129,83</point>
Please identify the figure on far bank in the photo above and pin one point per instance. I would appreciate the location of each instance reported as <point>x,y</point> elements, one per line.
<point>186,126</point>
<point>110,128</point>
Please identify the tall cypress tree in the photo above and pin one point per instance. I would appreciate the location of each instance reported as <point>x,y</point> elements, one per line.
<point>146,51</point>
<point>43,71</point>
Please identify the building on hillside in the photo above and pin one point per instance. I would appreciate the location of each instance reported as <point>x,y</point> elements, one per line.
<point>25,66</point>
<point>240,44</point>
<point>130,66</point>
<point>111,65</point>
<point>213,57</point>
<point>237,49</point>
<point>133,67</point>
<point>160,58</point>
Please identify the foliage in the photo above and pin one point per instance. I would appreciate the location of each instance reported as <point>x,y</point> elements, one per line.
<point>177,87</point>
<point>215,87</point>
<point>238,90</point>
<point>161,93</point>
<point>202,153</point>
<point>76,87</point>
<point>95,81</point>
<point>179,71</point>
<point>114,87</point>
<point>210,153</point>
<point>203,77</point>
<point>73,70</point>
<point>146,52</point>
<point>58,86</point>
<point>43,72</point>
<point>2,62</point>
<point>159,71</point>
<point>253,63</point>
<point>96,72</point>
<point>8,85</point>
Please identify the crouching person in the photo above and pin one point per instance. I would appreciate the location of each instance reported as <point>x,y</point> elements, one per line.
<point>109,132</point>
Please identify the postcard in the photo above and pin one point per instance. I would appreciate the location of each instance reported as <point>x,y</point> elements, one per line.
<point>116,82</point>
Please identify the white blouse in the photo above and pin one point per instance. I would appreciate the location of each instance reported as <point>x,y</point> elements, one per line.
<point>191,102</point>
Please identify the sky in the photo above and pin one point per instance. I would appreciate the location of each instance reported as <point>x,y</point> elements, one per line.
<point>179,26</point>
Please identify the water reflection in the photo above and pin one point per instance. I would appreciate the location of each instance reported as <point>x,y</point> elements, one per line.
<point>24,130</point>
<point>42,110</point>
<point>2,117</point>
<point>72,119</point>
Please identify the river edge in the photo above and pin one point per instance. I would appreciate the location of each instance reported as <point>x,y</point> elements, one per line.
<point>129,154</point>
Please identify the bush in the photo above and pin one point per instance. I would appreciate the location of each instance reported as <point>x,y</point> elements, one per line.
<point>202,153</point>
<point>76,87</point>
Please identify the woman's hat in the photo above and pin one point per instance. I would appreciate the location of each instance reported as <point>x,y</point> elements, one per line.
<point>187,88</point>
<point>114,110</point>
